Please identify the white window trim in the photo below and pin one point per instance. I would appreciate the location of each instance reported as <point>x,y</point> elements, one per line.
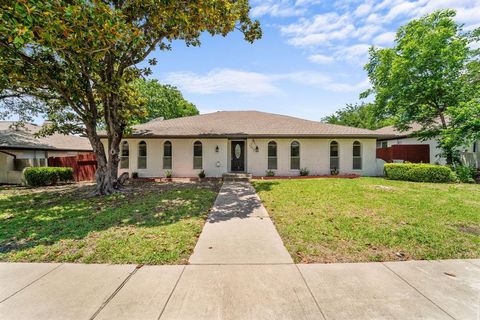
<point>290,156</point>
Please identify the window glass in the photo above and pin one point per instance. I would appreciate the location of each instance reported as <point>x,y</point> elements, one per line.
<point>295,156</point>
<point>167,155</point>
<point>197,155</point>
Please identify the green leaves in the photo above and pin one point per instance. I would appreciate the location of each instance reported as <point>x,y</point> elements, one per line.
<point>162,101</point>
<point>424,77</point>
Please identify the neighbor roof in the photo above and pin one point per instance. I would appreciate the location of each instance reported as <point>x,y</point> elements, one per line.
<point>394,133</point>
<point>245,124</point>
<point>22,137</point>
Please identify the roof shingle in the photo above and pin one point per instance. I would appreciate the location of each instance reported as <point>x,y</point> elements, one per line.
<point>245,124</point>
<point>22,137</point>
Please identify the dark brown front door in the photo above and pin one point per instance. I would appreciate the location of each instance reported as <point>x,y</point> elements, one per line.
<point>238,156</point>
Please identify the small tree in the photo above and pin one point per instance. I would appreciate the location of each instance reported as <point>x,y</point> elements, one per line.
<point>162,101</point>
<point>424,78</point>
<point>75,60</point>
<point>358,115</point>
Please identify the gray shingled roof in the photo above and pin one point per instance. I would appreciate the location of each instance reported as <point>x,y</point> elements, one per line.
<point>23,138</point>
<point>245,124</point>
<point>394,133</point>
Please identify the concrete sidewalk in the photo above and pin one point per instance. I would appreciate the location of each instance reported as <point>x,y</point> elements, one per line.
<point>239,231</point>
<point>241,270</point>
<point>447,289</point>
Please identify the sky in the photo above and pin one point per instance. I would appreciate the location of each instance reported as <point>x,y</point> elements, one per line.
<point>309,62</point>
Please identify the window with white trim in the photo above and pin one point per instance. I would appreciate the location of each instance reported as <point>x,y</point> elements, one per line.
<point>167,155</point>
<point>142,155</point>
<point>272,155</point>
<point>124,156</point>
<point>357,156</point>
<point>334,156</point>
<point>197,155</point>
<point>295,155</point>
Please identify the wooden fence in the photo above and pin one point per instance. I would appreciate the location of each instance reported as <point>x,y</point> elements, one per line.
<point>414,153</point>
<point>84,165</point>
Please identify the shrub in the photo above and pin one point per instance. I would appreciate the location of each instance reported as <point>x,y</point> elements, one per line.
<point>304,172</point>
<point>201,174</point>
<point>270,173</point>
<point>168,174</point>
<point>465,174</point>
<point>46,176</point>
<point>419,172</point>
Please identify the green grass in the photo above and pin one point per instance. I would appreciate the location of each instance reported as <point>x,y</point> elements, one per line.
<point>373,219</point>
<point>148,223</point>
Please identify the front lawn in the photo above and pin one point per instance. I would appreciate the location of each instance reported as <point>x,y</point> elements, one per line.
<point>150,223</point>
<point>373,219</point>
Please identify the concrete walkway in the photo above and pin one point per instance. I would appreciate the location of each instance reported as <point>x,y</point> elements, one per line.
<point>239,231</point>
<point>241,270</point>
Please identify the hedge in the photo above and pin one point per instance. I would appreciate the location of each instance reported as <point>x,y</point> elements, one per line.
<point>419,172</point>
<point>46,176</point>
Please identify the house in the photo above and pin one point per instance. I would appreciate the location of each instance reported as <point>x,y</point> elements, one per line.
<point>19,148</point>
<point>246,142</point>
<point>405,140</point>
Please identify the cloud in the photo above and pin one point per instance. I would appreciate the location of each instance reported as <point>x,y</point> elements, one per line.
<point>321,59</point>
<point>223,80</point>
<point>254,83</point>
<point>351,26</point>
<point>281,8</point>
<point>357,53</point>
<point>386,38</point>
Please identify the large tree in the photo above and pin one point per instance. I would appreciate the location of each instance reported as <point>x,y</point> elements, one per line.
<point>75,60</point>
<point>162,101</point>
<point>424,78</point>
<point>361,115</point>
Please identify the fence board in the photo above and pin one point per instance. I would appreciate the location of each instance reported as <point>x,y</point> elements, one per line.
<point>415,153</point>
<point>84,165</point>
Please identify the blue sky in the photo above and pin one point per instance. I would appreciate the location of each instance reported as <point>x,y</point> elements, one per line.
<point>309,62</point>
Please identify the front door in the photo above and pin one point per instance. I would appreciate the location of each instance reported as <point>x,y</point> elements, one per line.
<point>238,156</point>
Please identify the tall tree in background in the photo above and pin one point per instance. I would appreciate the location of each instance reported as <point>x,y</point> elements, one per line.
<point>424,78</point>
<point>162,101</point>
<point>362,115</point>
<point>75,60</point>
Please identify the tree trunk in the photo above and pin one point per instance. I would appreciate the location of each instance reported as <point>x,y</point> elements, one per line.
<point>106,174</point>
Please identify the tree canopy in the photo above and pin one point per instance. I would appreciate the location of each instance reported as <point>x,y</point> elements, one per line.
<point>76,60</point>
<point>361,115</point>
<point>426,78</point>
<point>162,101</point>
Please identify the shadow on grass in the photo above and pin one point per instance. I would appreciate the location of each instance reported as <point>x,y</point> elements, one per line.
<point>37,217</point>
<point>264,185</point>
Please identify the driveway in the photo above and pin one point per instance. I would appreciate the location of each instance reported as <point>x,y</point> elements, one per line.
<point>241,270</point>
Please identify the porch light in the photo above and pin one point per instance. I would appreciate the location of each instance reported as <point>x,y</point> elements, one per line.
<point>217,149</point>
<point>256,148</point>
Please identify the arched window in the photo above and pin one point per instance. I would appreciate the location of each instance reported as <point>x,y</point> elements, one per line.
<point>197,155</point>
<point>124,155</point>
<point>357,156</point>
<point>167,155</point>
<point>295,155</point>
<point>334,157</point>
<point>272,155</point>
<point>142,155</point>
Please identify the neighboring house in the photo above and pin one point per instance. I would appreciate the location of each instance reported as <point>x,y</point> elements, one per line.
<point>246,141</point>
<point>19,148</point>
<point>393,137</point>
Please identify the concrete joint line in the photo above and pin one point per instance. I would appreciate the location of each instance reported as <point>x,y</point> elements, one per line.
<point>414,288</point>
<point>124,282</point>
<point>243,264</point>
<point>28,285</point>
<point>310,290</point>
<point>171,293</point>
<point>472,263</point>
